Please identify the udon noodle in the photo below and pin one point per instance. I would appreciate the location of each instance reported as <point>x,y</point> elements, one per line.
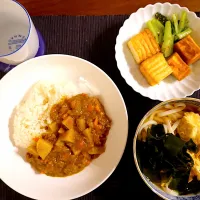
<point>169,115</point>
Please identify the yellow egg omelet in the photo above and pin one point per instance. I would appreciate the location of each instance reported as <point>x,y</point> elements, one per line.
<point>189,127</point>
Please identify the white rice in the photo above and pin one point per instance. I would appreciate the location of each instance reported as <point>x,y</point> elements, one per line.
<point>33,113</point>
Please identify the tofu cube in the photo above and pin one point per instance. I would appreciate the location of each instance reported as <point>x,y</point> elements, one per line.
<point>179,67</point>
<point>188,50</point>
<point>155,69</point>
<point>143,46</point>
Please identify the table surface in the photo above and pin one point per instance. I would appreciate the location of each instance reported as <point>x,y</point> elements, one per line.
<point>93,38</point>
<point>95,7</point>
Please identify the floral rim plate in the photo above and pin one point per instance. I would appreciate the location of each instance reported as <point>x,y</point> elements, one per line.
<point>170,87</point>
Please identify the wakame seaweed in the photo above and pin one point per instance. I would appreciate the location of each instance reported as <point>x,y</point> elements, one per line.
<point>190,145</point>
<point>164,156</point>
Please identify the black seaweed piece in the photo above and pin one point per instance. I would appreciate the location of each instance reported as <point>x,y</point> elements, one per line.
<point>190,145</point>
<point>173,145</point>
<point>191,187</point>
<point>163,156</point>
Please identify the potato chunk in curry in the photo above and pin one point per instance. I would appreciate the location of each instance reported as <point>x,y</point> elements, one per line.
<point>43,148</point>
<point>76,136</point>
<point>68,136</point>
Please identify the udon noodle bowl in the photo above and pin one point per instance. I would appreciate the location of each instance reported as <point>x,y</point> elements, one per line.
<point>168,141</point>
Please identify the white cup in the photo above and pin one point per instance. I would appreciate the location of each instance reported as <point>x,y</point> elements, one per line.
<point>18,36</point>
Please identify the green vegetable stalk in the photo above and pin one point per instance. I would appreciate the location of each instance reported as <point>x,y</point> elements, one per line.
<point>158,24</point>
<point>168,43</point>
<point>183,21</point>
<point>159,29</point>
<point>152,29</point>
<point>175,21</point>
<point>184,33</point>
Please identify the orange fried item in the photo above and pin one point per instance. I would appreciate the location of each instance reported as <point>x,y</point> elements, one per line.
<point>188,50</point>
<point>143,45</point>
<point>155,69</point>
<point>179,67</point>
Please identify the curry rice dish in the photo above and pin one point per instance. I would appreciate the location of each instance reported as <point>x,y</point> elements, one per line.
<point>76,135</point>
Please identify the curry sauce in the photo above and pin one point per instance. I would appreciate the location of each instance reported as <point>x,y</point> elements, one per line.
<point>76,136</point>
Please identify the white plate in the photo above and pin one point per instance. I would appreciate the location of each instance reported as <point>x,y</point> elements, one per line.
<point>170,87</point>
<point>18,174</point>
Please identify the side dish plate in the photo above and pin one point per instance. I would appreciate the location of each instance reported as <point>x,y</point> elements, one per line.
<point>170,87</point>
